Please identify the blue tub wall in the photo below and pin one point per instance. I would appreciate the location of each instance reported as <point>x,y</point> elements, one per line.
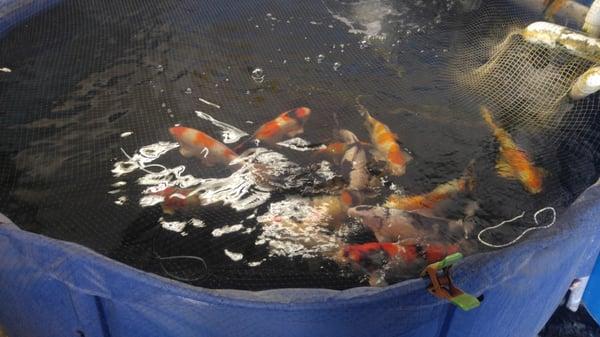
<point>14,11</point>
<point>54,288</point>
<point>50,288</point>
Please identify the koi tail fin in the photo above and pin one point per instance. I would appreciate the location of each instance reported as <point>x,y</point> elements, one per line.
<point>487,117</point>
<point>469,176</point>
<point>504,169</point>
<point>243,146</point>
<point>362,110</point>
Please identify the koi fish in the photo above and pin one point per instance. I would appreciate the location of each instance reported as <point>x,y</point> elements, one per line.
<point>388,224</point>
<point>551,7</point>
<point>194,143</point>
<point>354,162</point>
<point>425,202</point>
<point>392,225</point>
<point>386,144</point>
<point>371,257</point>
<point>410,253</point>
<point>336,206</point>
<point>179,199</point>
<point>513,162</point>
<point>334,150</point>
<point>287,125</point>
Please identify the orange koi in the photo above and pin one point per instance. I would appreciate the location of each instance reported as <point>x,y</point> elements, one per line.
<point>288,124</point>
<point>513,162</point>
<point>194,143</point>
<point>386,144</point>
<point>431,199</point>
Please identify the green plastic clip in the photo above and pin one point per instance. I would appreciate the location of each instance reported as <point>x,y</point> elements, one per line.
<point>442,287</point>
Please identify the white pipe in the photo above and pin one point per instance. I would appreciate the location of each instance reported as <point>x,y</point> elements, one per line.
<point>592,20</point>
<point>555,36</point>
<point>577,289</point>
<point>586,84</point>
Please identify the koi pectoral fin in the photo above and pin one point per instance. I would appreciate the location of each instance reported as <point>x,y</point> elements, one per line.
<point>296,132</point>
<point>186,152</point>
<point>505,170</point>
<point>377,155</point>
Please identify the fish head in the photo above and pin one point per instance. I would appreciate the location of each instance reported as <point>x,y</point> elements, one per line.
<point>178,131</point>
<point>347,136</point>
<point>302,113</point>
<point>181,134</point>
<point>534,181</point>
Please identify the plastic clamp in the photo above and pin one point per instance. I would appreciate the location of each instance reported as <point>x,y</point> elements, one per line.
<point>441,283</point>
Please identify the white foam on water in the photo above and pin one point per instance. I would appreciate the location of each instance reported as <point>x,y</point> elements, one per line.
<point>5,70</point>
<point>218,232</point>
<point>209,103</point>
<point>197,223</point>
<point>229,133</point>
<point>126,134</point>
<point>175,226</point>
<point>142,158</point>
<point>121,200</point>
<point>293,227</point>
<point>233,256</point>
<point>299,144</point>
<point>255,263</point>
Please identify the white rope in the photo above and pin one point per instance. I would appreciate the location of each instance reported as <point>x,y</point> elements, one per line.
<point>535,218</point>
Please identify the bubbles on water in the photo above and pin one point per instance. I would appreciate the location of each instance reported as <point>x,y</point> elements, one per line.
<point>363,44</point>
<point>126,134</point>
<point>188,91</point>
<point>258,75</point>
<point>337,66</point>
<point>160,68</point>
<point>307,59</point>
<point>320,58</point>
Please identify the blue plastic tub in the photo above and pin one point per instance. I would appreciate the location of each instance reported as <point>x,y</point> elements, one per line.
<point>52,288</point>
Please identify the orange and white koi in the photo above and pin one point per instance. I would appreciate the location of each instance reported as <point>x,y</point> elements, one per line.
<point>388,224</point>
<point>410,253</point>
<point>513,162</point>
<point>335,150</point>
<point>371,257</point>
<point>386,144</point>
<point>335,207</point>
<point>427,201</point>
<point>288,124</point>
<point>179,199</point>
<point>194,143</point>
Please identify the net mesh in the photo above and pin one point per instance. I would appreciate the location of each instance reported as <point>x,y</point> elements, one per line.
<point>87,155</point>
<point>526,84</point>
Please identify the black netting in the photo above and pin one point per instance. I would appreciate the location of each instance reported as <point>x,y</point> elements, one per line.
<point>87,156</point>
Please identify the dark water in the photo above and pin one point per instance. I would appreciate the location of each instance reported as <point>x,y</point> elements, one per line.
<point>85,72</point>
